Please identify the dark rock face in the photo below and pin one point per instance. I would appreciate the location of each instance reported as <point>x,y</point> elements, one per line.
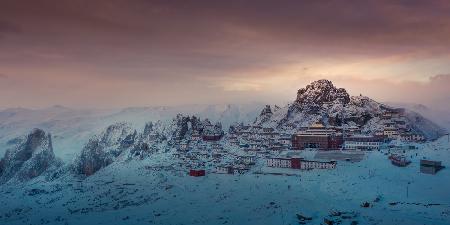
<point>101,151</point>
<point>93,158</point>
<point>141,150</point>
<point>185,126</point>
<point>29,159</point>
<point>314,95</point>
<point>181,127</point>
<point>265,114</point>
<point>148,128</point>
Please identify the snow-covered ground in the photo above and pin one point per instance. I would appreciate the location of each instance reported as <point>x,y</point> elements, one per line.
<point>156,191</point>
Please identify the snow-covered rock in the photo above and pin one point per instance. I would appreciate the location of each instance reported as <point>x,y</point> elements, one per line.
<point>322,101</point>
<point>31,157</point>
<point>101,150</point>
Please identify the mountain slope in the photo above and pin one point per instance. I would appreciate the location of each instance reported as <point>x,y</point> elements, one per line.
<point>322,101</point>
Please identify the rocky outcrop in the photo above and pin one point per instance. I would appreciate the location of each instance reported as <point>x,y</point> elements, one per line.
<point>101,151</point>
<point>183,127</point>
<point>321,101</point>
<point>181,124</point>
<point>265,115</point>
<point>30,158</point>
<point>315,95</point>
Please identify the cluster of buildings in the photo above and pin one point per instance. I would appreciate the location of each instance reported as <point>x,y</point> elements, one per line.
<point>258,139</point>
<point>317,136</point>
<point>210,153</point>
<point>395,126</point>
<point>205,146</point>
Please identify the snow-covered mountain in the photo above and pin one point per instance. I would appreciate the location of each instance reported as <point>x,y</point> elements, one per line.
<point>438,116</point>
<point>124,170</point>
<point>321,101</point>
<point>31,157</point>
<point>72,128</point>
<point>121,142</point>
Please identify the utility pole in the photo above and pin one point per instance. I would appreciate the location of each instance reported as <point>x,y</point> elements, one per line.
<point>407,189</point>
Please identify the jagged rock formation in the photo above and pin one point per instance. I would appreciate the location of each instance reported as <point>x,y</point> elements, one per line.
<point>185,126</point>
<point>315,95</point>
<point>31,157</point>
<point>266,113</point>
<point>100,151</point>
<point>121,141</point>
<point>321,101</point>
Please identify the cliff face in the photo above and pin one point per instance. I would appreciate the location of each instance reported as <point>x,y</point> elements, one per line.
<point>31,157</point>
<point>100,151</point>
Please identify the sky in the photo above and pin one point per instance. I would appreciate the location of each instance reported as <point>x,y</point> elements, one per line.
<point>119,53</point>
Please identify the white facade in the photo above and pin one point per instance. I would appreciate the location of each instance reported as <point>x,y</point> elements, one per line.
<point>247,159</point>
<point>307,165</point>
<point>392,134</point>
<point>370,145</point>
<point>412,137</point>
<point>279,162</point>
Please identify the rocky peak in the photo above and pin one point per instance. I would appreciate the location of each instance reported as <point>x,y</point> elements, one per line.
<point>265,115</point>
<point>116,133</point>
<point>31,157</point>
<point>319,92</point>
<point>266,111</point>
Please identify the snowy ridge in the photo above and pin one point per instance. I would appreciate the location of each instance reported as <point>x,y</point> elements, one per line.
<point>72,128</point>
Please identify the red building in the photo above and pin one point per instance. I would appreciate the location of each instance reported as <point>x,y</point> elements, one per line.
<point>212,137</point>
<point>296,163</point>
<point>196,173</point>
<point>318,137</point>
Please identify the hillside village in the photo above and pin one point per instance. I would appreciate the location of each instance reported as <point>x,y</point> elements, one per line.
<point>324,138</point>
<point>322,126</point>
<point>208,147</point>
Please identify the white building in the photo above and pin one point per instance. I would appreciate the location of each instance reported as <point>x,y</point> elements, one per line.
<point>412,137</point>
<point>247,159</point>
<point>308,165</point>
<point>391,133</point>
<point>362,143</point>
<point>279,162</point>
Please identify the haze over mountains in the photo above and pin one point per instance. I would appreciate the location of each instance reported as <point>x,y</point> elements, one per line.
<point>71,128</point>
<point>85,163</point>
